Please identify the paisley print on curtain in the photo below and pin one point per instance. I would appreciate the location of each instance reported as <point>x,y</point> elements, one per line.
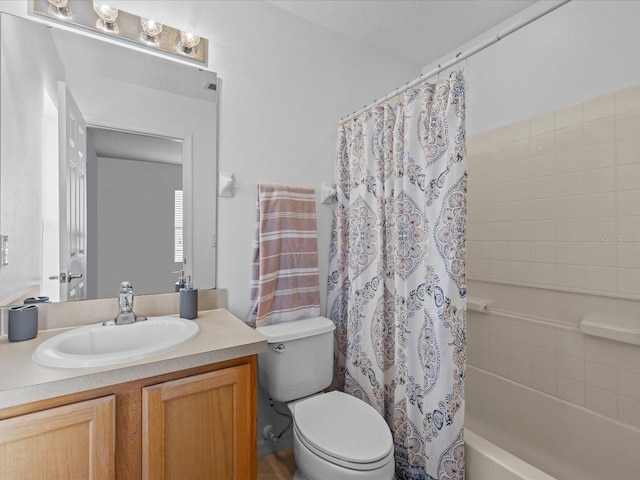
<point>397,272</point>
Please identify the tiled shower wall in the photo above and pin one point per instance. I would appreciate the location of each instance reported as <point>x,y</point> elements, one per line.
<point>554,203</point>
<point>595,373</point>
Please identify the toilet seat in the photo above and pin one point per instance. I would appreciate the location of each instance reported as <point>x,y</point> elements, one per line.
<point>343,430</point>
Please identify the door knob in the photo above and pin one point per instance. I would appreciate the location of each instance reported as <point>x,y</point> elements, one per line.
<point>73,276</point>
<point>66,277</point>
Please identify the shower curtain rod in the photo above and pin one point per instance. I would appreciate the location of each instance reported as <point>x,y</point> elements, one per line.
<point>458,58</point>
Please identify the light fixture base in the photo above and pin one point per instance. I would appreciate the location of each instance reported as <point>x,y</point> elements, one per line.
<point>127,27</point>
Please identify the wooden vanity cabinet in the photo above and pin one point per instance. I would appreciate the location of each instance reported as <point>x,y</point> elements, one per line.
<point>72,441</point>
<point>198,423</point>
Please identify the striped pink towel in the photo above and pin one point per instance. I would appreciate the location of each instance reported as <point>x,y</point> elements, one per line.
<point>285,283</point>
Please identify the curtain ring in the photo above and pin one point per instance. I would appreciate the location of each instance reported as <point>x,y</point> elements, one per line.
<point>458,61</point>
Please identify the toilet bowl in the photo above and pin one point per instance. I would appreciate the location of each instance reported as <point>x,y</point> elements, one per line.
<point>335,436</point>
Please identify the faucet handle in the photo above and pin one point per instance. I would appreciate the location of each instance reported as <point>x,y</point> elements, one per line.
<point>125,298</point>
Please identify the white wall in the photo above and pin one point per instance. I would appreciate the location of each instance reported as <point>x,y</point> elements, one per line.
<point>22,119</point>
<point>580,51</point>
<point>135,233</point>
<point>280,103</point>
<point>552,112</point>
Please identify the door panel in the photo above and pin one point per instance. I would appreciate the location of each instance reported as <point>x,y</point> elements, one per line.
<point>72,194</point>
<point>199,427</point>
<point>75,441</point>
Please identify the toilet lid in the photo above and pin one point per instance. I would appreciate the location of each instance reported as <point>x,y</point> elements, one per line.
<point>344,428</point>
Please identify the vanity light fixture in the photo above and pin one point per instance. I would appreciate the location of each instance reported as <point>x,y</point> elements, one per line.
<point>98,16</point>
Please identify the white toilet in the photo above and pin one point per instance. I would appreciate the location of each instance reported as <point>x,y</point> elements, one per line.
<point>335,436</point>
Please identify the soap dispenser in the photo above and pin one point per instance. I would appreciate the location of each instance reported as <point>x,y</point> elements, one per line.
<point>188,301</point>
<point>179,285</point>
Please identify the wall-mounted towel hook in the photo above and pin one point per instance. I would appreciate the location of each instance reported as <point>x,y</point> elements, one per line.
<point>328,193</point>
<point>225,184</point>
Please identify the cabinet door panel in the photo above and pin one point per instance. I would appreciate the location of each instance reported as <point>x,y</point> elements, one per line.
<point>199,427</point>
<point>75,441</point>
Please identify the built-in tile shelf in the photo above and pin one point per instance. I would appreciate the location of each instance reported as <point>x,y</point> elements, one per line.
<point>619,329</point>
<point>478,304</point>
<point>555,357</point>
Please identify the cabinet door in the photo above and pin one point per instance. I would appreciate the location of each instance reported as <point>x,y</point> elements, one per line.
<point>200,427</point>
<point>75,441</point>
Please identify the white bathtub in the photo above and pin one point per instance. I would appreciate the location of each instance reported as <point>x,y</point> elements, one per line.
<point>486,461</point>
<point>564,440</point>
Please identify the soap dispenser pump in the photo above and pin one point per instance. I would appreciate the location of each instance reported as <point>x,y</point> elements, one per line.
<point>179,285</point>
<point>188,301</point>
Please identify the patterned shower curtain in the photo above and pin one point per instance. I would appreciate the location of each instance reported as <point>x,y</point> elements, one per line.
<point>397,272</point>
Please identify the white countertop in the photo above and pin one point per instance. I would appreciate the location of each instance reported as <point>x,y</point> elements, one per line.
<point>222,337</point>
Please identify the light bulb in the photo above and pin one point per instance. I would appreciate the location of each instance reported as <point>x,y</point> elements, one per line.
<point>107,14</point>
<point>151,28</point>
<point>188,41</point>
<point>60,8</point>
<point>59,4</point>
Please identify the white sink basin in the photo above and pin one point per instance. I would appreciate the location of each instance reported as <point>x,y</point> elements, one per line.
<point>98,345</point>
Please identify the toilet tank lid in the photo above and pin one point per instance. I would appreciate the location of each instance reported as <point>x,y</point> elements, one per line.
<point>307,327</point>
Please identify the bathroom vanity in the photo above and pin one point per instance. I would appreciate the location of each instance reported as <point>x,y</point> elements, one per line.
<point>187,413</point>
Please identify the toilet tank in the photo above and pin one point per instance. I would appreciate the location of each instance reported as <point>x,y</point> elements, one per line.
<point>299,361</point>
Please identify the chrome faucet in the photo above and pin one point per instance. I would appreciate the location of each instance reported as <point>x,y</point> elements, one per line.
<point>125,307</point>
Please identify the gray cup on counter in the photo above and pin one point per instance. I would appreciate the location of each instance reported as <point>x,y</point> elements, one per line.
<point>23,323</point>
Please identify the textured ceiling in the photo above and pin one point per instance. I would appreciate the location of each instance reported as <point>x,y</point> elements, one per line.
<point>420,31</point>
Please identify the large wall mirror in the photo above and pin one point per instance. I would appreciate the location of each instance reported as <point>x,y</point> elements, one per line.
<point>107,166</point>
